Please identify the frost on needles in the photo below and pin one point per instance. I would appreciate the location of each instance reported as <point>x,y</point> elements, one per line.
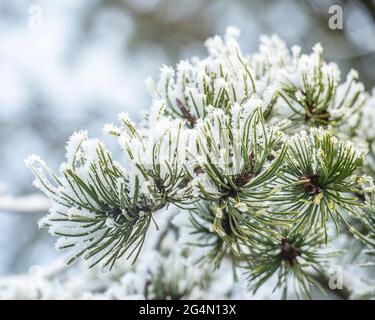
<point>265,153</point>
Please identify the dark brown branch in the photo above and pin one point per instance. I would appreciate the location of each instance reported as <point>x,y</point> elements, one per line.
<point>343,293</point>
<point>186,113</point>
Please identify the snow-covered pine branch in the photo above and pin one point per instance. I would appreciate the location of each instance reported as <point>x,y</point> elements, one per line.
<point>252,149</point>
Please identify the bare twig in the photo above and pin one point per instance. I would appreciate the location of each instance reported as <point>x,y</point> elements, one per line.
<point>32,203</point>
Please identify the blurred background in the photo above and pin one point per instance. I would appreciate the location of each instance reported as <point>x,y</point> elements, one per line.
<point>67,65</point>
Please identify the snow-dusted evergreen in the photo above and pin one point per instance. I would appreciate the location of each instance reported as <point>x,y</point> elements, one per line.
<point>255,166</point>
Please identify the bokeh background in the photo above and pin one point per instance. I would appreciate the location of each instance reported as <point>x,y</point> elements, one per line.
<point>67,65</point>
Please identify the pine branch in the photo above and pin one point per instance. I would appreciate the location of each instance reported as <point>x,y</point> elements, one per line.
<point>252,148</point>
